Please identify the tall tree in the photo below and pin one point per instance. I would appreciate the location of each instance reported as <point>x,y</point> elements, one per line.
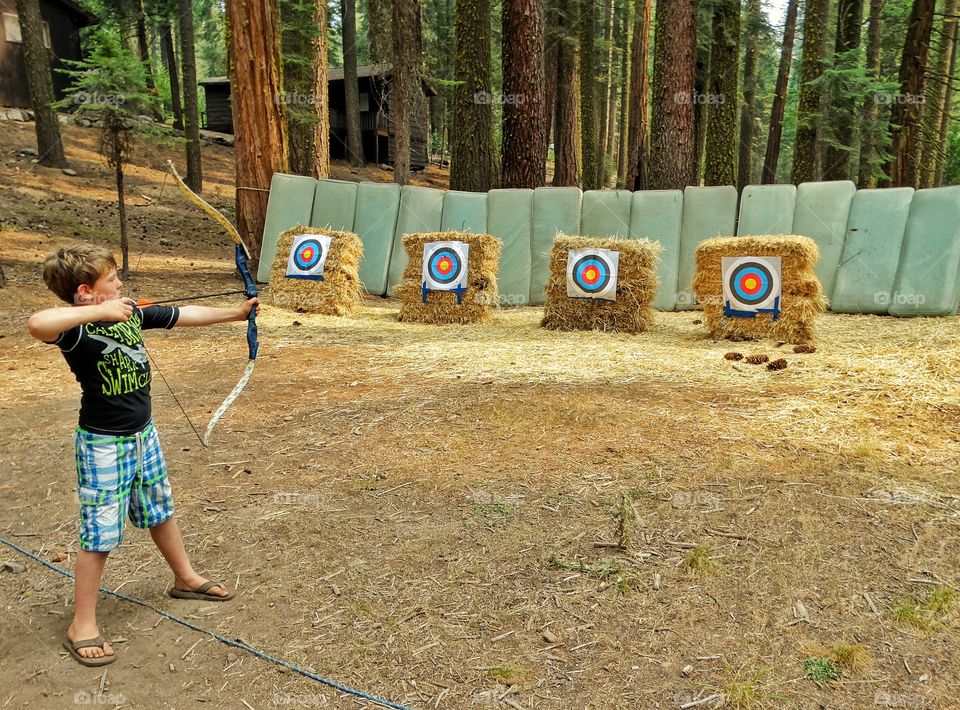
<point>550,60</point>
<point>143,45</point>
<point>637,144</point>
<point>173,73</point>
<point>626,45</point>
<point>868,148</point>
<point>351,87</point>
<point>191,111</point>
<point>405,81</point>
<point>723,95</point>
<point>588,95</point>
<point>935,102</point>
<point>40,84</point>
<point>846,59</point>
<point>473,160</point>
<point>772,155</point>
<point>524,148</point>
<point>902,167</point>
<point>606,101</point>
<point>566,169</point>
<point>945,114</point>
<point>304,97</point>
<point>261,141</point>
<point>751,57</point>
<point>379,19</point>
<point>805,146</point>
<point>674,64</point>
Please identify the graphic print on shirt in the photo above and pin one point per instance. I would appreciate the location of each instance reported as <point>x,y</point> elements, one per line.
<point>123,363</point>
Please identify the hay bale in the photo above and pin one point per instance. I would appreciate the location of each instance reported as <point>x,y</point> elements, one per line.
<point>341,291</point>
<point>441,306</point>
<point>636,288</point>
<point>801,300</point>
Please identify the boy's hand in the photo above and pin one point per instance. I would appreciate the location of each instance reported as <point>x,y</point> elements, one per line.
<point>248,306</point>
<point>117,311</point>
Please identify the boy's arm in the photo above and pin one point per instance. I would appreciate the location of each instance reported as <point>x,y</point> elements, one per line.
<point>192,316</point>
<point>47,324</point>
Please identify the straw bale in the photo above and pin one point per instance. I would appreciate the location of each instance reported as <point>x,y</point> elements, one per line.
<point>441,306</point>
<point>341,291</point>
<point>801,300</point>
<point>636,288</point>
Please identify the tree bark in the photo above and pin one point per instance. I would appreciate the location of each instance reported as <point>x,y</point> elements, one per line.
<point>902,167</point>
<point>805,146</point>
<point>840,158</point>
<point>379,20</point>
<point>524,148</point>
<point>723,94</point>
<point>143,47</point>
<point>351,86</point>
<point>473,164</point>
<point>868,148</point>
<point>637,144</point>
<point>625,79</point>
<point>748,113</point>
<point>258,121</point>
<point>588,88</point>
<point>605,104</point>
<point>40,85</point>
<point>935,102</point>
<point>191,111</point>
<point>944,127</point>
<point>566,171</point>
<point>674,64</point>
<point>550,60</point>
<point>405,79</point>
<point>117,160</point>
<point>170,60</point>
<point>772,155</point>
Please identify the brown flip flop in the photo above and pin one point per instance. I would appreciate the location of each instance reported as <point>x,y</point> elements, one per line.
<point>95,661</point>
<point>202,592</point>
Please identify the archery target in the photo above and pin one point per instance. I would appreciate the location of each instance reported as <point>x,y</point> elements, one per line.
<point>592,273</point>
<point>445,265</point>
<point>751,284</point>
<point>308,254</point>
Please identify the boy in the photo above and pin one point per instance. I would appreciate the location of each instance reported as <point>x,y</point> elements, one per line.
<point>120,466</point>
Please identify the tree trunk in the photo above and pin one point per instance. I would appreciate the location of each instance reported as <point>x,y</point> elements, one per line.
<point>935,102</point>
<point>748,113</point>
<point>379,20</point>
<point>351,86</point>
<point>772,155</point>
<point>701,84</point>
<point>606,100</point>
<point>258,122</point>
<point>191,111</point>
<point>473,157</point>
<point>868,148</point>
<point>405,80</point>
<point>143,47</point>
<point>805,146</point>
<point>637,146</point>
<point>723,95</point>
<point>674,64</point>
<point>566,171</point>
<point>625,74</point>
<point>839,158</point>
<point>40,84</point>
<point>117,160</point>
<point>902,167</point>
<point>524,148</point>
<point>170,60</point>
<point>588,88</point>
<point>550,59</point>
<point>944,127</point>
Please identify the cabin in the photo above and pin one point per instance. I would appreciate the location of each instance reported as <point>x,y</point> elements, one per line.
<point>62,22</point>
<point>377,132</point>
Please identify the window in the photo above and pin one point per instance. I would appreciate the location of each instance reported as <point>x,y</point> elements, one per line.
<point>11,30</point>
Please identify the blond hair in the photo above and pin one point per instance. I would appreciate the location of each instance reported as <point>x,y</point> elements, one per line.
<point>68,267</point>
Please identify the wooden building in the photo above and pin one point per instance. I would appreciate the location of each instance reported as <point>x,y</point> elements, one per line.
<point>376,121</point>
<point>62,22</point>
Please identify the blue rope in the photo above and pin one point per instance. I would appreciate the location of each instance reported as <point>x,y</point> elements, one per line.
<point>222,639</point>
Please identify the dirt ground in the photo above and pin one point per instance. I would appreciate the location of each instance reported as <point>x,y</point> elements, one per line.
<point>483,516</point>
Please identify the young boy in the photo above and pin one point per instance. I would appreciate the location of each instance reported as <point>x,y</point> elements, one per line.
<point>120,467</point>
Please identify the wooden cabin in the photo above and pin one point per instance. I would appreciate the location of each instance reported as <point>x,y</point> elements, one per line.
<point>62,22</point>
<point>376,123</point>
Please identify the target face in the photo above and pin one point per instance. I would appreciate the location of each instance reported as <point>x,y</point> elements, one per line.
<point>592,273</point>
<point>751,284</point>
<point>445,265</point>
<point>308,255</point>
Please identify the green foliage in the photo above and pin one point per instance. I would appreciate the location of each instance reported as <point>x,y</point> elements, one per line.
<point>821,670</point>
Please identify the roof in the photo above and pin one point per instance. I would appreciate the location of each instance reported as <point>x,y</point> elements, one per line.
<point>335,74</point>
<point>82,11</point>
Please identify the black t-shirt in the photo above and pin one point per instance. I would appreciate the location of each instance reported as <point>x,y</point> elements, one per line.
<point>111,365</point>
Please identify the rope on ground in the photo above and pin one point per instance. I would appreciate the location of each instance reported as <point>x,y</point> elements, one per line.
<point>222,639</point>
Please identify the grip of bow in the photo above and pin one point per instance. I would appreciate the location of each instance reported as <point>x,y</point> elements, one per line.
<point>250,291</point>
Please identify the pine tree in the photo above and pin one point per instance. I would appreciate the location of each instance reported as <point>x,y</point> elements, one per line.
<point>588,88</point>
<point>805,147</point>
<point>845,99</point>
<point>721,168</point>
<point>191,108</point>
<point>772,155</point>
<point>637,144</point>
<point>935,102</point>
<point>869,158</point>
<point>406,77</point>
<point>351,87</point>
<point>751,57</point>
<point>566,170</point>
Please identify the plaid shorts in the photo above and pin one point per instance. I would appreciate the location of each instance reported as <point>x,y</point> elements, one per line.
<point>120,476</point>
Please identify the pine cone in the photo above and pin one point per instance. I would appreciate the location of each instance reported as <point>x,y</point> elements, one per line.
<point>780,364</point>
<point>757,359</point>
<point>804,349</point>
<point>733,356</point>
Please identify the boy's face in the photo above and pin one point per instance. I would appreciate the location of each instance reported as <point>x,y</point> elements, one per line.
<point>106,288</point>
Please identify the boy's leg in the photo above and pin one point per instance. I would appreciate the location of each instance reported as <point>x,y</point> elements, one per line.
<point>168,540</point>
<point>88,570</point>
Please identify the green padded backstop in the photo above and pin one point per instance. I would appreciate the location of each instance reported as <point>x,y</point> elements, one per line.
<point>555,209</point>
<point>707,212</point>
<point>375,222</point>
<point>464,212</point>
<point>510,218</point>
<point>766,210</point>
<point>606,213</point>
<point>821,214</point>
<point>334,203</point>
<point>421,210</point>
<point>658,215</point>
<point>290,204</point>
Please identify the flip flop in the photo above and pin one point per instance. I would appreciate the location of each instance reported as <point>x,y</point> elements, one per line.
<point>89,643</point>
<point>201,592</point>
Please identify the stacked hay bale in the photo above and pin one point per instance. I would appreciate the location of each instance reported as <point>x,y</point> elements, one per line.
<point>801,298</point>
<point>341,291</point>
<point>441,307</point>
<point>636,287</point>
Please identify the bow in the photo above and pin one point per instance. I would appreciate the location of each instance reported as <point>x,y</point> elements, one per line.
<point>241,255</point>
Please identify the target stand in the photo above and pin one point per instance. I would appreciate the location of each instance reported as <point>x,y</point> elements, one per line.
<point>308,256</point>
<point>445,269</point>
<point>751,286</point>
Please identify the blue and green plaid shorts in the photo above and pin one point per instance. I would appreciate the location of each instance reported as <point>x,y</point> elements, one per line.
<point>120,476</point>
